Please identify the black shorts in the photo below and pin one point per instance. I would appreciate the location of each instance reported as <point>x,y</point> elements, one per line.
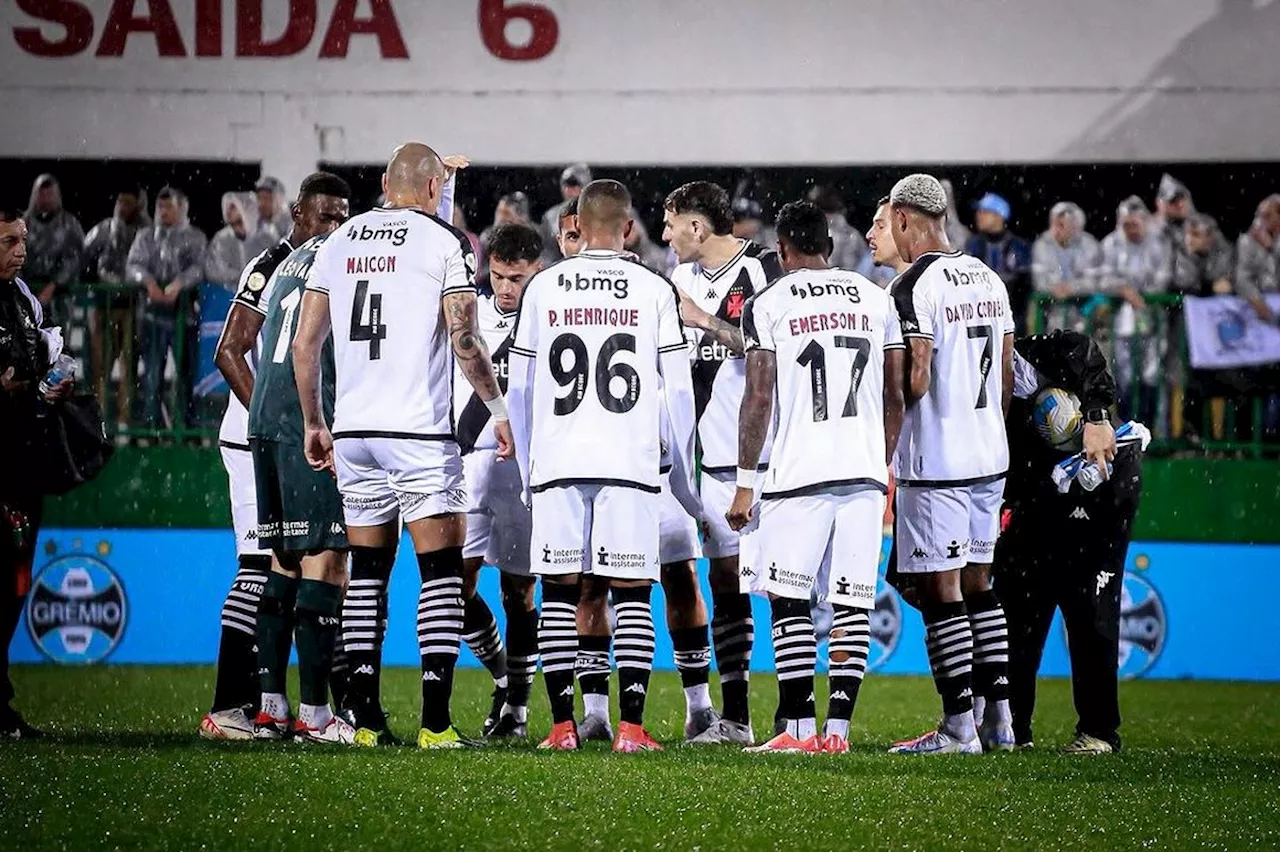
<point>299,509</point>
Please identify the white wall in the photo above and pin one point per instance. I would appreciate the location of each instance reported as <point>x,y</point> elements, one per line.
<point>668,81</point>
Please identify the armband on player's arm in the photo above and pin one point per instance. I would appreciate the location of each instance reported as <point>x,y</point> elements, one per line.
<point>497,409</point>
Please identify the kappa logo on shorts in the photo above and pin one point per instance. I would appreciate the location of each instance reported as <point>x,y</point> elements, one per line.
<point>953,550</point>
<point>918,554</point>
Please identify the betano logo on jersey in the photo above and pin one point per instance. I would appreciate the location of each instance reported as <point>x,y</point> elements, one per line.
<point>610,281</point>
<point>842,287</point>
<point>78,609</point>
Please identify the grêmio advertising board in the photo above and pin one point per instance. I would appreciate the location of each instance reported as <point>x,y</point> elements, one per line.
<point>154,596</point>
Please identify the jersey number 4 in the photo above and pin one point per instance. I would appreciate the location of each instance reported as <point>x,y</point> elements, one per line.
<point>574,376</point>
<point>374,331</point>
<point>814,357</point>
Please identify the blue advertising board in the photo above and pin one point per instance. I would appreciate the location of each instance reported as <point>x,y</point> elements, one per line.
<point>154,596</point>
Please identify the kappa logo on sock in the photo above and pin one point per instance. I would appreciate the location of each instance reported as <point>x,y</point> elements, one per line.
<point>965,693</point>
<point>839,695</point>
<point>1002,681</point>
<point>810,698</point>
<point>1079,514</point>
<point>429,676</point>
<point>567,691</point>
<point>366,669</point>
<point>636,687</point>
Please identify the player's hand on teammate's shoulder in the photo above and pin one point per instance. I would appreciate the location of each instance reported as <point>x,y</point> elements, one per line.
<point>739,514</point>
<point>506,441</point>
<point>318,446</point>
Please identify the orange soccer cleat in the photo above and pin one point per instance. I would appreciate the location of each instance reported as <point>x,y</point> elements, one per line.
<point>633,738</point>
<point>835,744</point>
<point>784,743</point>
<point>563,737</point>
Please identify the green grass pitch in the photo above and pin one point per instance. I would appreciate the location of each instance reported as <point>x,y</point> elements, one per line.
<point>123,769</point>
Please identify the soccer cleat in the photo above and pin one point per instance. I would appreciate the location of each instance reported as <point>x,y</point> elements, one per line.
<point>1027,746</point>
<point>371,728</point>
<point>634,738</point>
<point>231,724</point>
<point>495,709</point>
<point>14,727</point>
<point>996,737</point>
<point>268,727</point>
<point>937,742</point>
<point>1085,744</point>
<point>704,722</point>
<point>835,744</point>
<point>595,729</point>
<point>563,737</point>
<point>449,738</point>
<point>784,743</point>
<point>338,730</point>
<point>723,732</point>
<point>508,728</point>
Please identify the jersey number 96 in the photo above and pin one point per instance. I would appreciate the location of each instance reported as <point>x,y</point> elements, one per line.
<point>574,376</point>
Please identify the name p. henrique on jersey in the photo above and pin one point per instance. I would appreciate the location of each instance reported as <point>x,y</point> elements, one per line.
<point>828,329</point>
<point>955,434</point>
<point>385,272</point>
<point>719,375</point>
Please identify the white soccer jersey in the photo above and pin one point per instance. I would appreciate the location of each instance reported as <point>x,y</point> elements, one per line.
<point>596,326</point>
<point>471,415</point>
<point>954,435</point>
<point>719,375</point>
<point>829,329</point>
<point>385,272</point>
<point>234,430</point>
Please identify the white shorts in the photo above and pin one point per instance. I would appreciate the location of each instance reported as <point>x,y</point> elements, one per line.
<point>499,525</point>
<point>606,530</point>
<point>385,478</point>
<point>677,531</point>
<point>941,529</point>
<point>244,499</point>
<point>828,543</point>
<point>717,496</point>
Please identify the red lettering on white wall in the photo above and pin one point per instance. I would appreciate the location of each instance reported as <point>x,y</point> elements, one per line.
<point>159,21</point>
<point>494,16</point>
<point>381,23</point>
<point>298,30</point>
<point>75,19</point>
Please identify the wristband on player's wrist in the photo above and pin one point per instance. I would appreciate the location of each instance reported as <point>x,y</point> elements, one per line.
<point>497,408</point>
<point>747,478</point>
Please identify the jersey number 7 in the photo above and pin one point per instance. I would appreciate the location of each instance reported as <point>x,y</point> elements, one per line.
<point>982,332</point>
<point>814,357</point>
<point>374,332</point>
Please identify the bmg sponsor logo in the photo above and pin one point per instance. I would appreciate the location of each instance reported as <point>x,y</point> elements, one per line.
<point>78,609</point>
<point>606,282</point>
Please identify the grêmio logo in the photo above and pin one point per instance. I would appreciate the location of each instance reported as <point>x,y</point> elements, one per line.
<point>66,28</point>
<point>616,286</point>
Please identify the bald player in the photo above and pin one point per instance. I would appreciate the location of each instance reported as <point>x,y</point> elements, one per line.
<point>397,287</point>
<point>599,360</point>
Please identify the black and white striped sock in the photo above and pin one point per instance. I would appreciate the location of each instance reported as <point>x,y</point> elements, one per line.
<point>633,644</point>
<point>558,645</point>
<point>949,640</point>
<point>364,626</point>
<point>795,653</point>
<point>732,631</point>
<point>522,653</point>
<point>440,615</point>
<point>847,651</point>
<point>480,629</point>
<point>990,645</point>
<point>237,678</point>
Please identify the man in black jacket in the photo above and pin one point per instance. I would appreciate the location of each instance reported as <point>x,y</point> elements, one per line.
<point>25,356</point>
<point>1068,550</point>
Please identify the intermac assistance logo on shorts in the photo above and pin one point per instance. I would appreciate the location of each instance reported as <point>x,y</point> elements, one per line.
<point>1143,622</point>
<point>78,609</point>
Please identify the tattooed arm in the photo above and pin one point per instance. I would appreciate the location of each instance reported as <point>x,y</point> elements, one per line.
<point>753,427</point>
<point>725,333</point>
<point>473,358</point>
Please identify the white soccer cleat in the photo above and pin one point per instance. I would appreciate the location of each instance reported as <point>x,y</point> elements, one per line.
<point>1085,744</point>
<point>338,731</point>
<point>723,732</point>
<point>937,742</point>
<point>594,728</point>
<point>231,724</point>
<point>997,737</point>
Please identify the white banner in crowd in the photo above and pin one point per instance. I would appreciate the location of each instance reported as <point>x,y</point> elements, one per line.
<point>1224,332</point>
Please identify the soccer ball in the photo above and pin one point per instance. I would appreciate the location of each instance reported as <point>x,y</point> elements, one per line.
<point>1058,419</point>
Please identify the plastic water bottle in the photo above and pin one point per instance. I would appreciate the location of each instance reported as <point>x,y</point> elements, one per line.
<point>1090,477</point>
<point>64,368</point>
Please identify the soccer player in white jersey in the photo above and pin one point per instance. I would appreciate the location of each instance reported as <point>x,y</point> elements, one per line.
<point>717,274</point>
<point>318,210</point>
<point>598,355</point>
<point>397,286</point>
<point>499,525</point>
<point>825,344</point>
<point>951,463</point>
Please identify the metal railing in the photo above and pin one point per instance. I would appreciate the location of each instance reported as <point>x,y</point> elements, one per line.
<point>1187,410</point>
